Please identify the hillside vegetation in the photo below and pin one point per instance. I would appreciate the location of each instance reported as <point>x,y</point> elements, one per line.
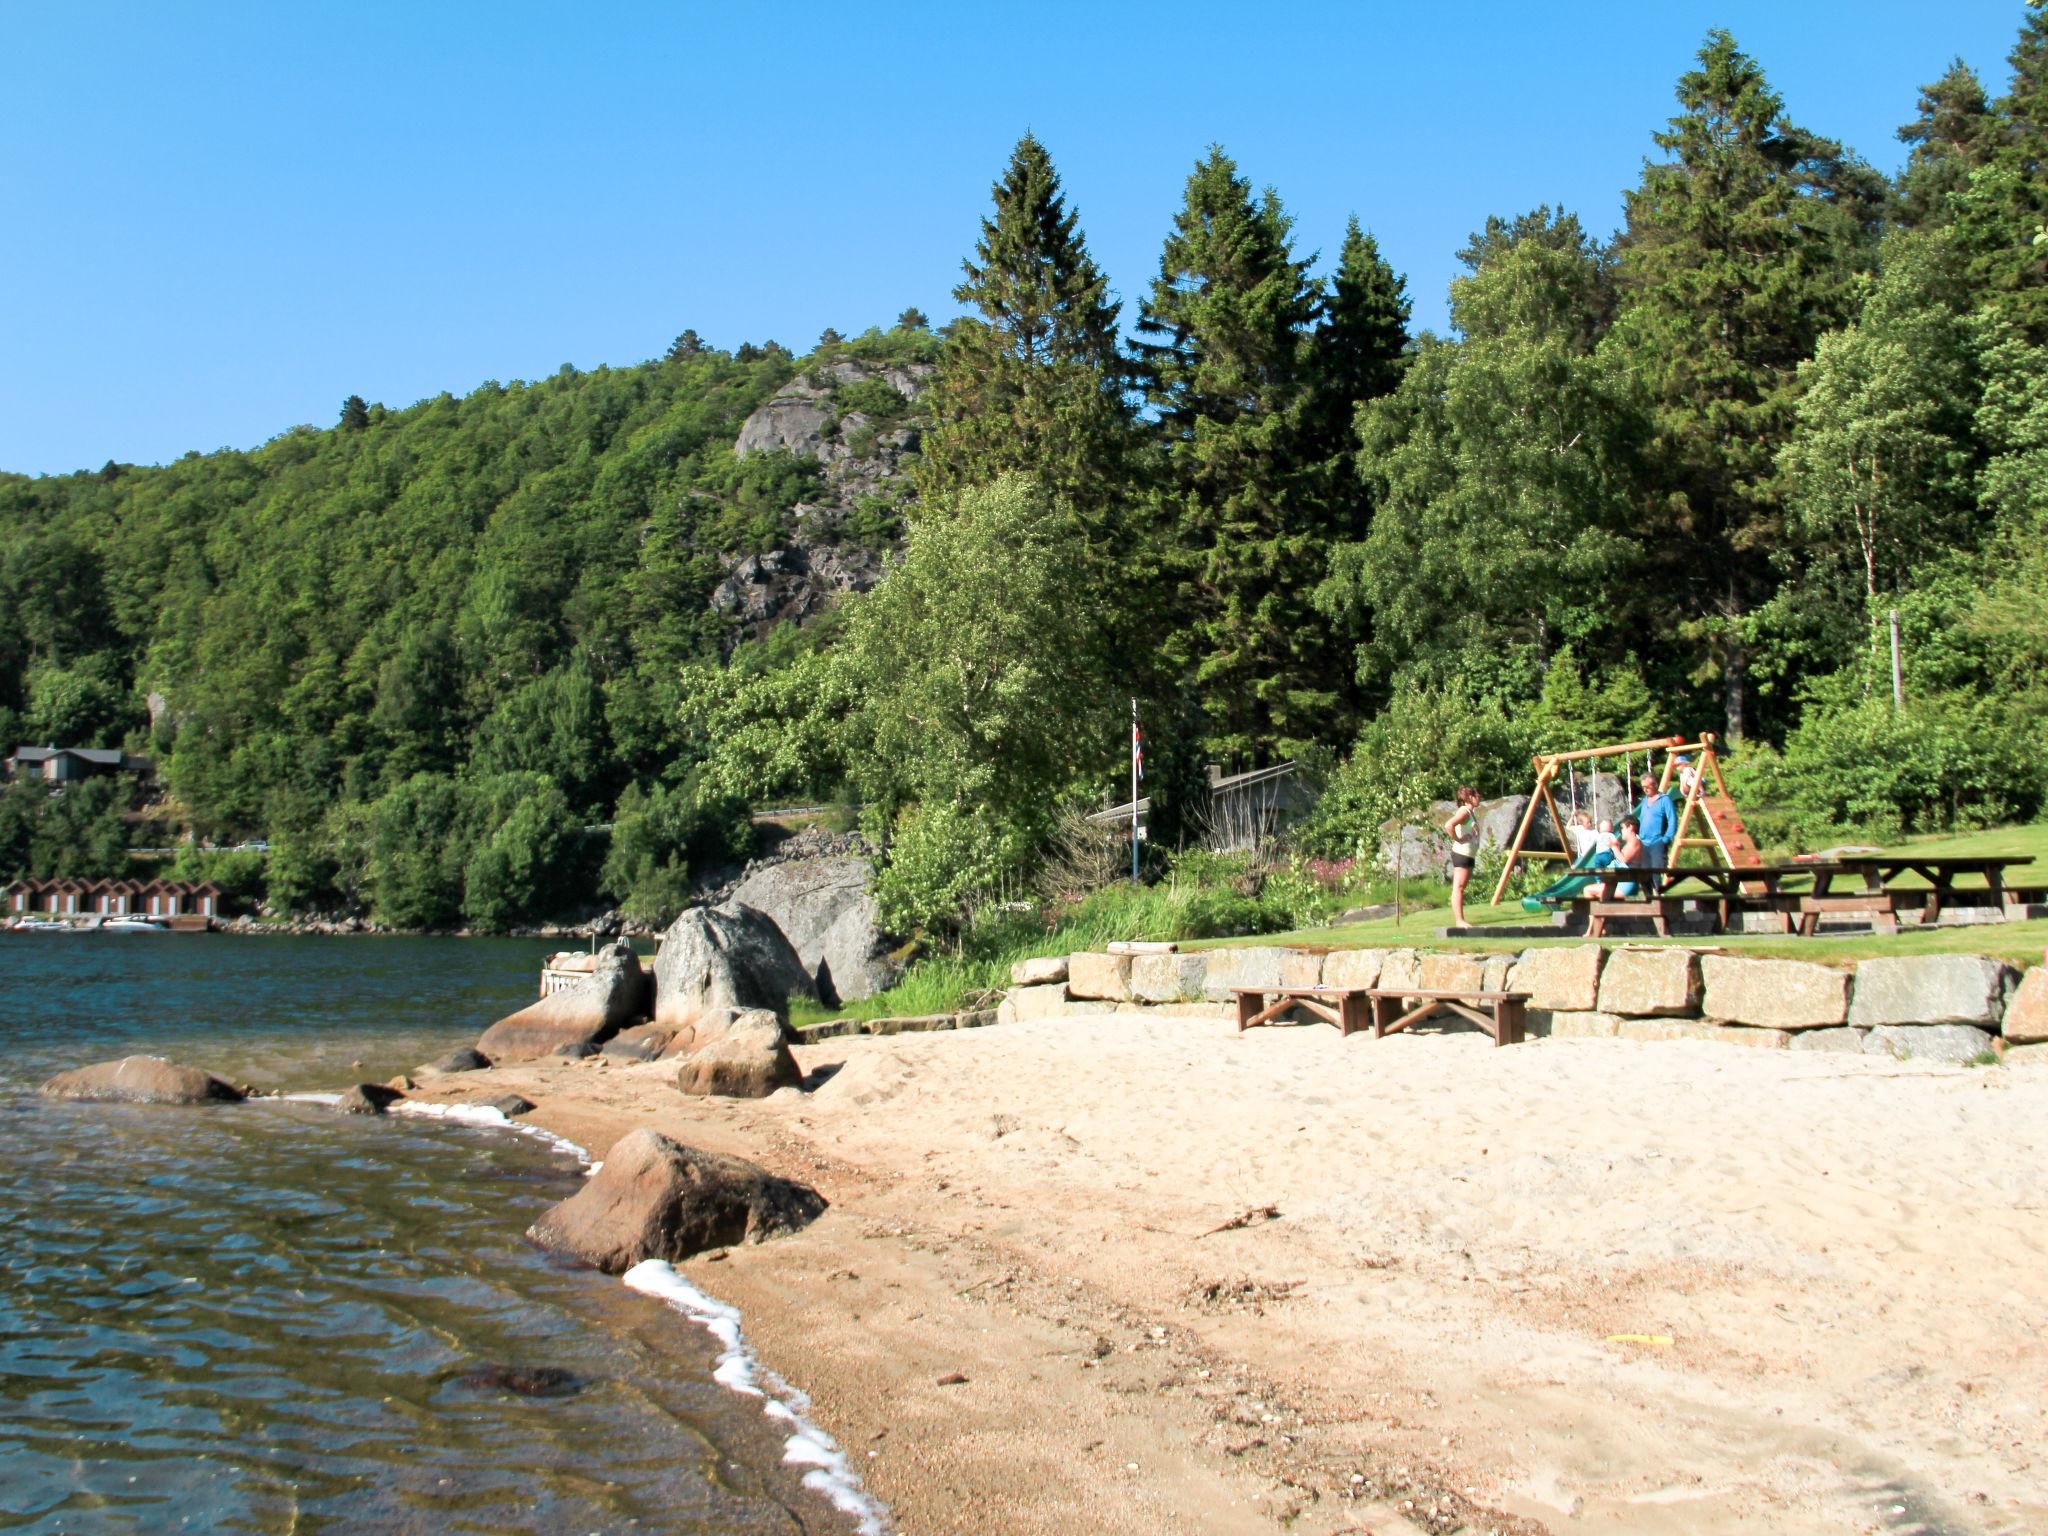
<point>1676,479</point>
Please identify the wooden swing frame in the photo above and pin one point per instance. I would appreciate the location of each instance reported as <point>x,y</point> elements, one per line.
<point>1705,761</point>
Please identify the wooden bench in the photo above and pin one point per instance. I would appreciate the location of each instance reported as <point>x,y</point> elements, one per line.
<point>1345,1007</point>
<point>1504,1017</point>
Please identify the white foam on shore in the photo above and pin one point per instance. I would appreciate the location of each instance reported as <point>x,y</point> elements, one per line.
<point>831,1476</point>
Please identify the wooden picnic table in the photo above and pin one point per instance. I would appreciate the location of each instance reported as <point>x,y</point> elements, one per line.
<point>1769,888</point>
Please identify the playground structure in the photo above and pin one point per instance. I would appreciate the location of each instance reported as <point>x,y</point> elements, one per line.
<point>1693,763</point>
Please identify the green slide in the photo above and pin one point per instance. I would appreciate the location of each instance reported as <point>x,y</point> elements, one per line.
<point>1562,890</point>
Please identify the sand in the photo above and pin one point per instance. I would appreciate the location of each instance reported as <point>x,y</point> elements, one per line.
<point>1208,1283</point>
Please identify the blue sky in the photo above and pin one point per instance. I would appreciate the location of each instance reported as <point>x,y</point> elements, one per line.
<point>221,219</point>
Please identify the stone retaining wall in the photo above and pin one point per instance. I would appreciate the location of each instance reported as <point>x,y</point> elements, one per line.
<point>1949,1008</point>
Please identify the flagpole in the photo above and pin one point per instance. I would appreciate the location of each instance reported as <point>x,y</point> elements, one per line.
<point>1134,789</point>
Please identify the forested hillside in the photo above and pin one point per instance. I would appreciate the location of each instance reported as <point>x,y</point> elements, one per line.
<point>1675,479</point>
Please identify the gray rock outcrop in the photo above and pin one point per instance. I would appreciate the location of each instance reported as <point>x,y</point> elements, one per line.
<point>725,957</point>
<point>1950,1044</point>
<point>745,1057</point>
<point>141,1080</point>
<point>1932,989</point>
<point>1773,994</point>
<point>591,1011</point>
<point>657,1199</point>
<point>826,909</point>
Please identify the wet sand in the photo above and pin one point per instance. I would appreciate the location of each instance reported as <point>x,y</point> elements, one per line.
<point>1207,1283</point>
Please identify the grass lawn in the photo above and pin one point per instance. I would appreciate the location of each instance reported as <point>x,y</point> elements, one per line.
<point>2021,943</point>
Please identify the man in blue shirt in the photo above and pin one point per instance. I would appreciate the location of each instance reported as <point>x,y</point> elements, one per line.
<point>1659,818</point>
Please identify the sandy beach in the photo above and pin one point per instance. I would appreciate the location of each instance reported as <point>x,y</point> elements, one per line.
<point>1123,1274</point>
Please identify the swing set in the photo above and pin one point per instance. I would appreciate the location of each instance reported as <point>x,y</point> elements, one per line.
<point>1692,763</point>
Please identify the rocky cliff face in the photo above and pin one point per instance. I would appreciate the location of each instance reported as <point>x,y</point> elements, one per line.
<point>858,422</point>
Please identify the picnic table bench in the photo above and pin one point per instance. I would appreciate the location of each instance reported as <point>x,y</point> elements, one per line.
<point>1384,1009</point>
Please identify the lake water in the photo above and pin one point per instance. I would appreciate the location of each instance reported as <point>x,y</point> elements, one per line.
<point>271,1317</point>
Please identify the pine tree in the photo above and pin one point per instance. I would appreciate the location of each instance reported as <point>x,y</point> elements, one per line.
<point>2002,214</point>
<point>1360,346</point>
<point>1226,359</point>
<point>355,413</point>
<point>1031,380</point>
<point>1739,252</point>
<point>685,346</point>
<point>913,319</point>
<point>1952,136</point>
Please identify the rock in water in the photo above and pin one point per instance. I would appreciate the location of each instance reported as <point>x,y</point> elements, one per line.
<point>657,1199</point>
<point>510,1105</point>
<point>728,957</point>
<point>744,1057</point>
<point>142,1080</point>
<point>526,1380</point>
<point>611,997</point>
<point>368,1099</point>
<point>826,909</point>
<point>464,1060</point>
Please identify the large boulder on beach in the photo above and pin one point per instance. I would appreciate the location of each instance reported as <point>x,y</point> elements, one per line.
<point>2026,1016</point>
<point>1773,994</point>
<point>612,996</point>
<point>368,1099</point>
<point>743,1055</point>
<point>142,1080</point>
<point>463,1060</point>
<point>826,909</point>
<point>657,1199</point>
<point>1955,1045</point>
<point>728,957</point>
<point>1932,989</point>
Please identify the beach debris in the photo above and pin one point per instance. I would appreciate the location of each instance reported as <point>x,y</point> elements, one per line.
<point>141,1080</point>
<point>367,1099</point>
<point>525,1380</point>
<point>1247,1218</point>
<point>1652,1340</point>
<point>951,1379</point>
<point>463,1060</point>
<point>591,1010</point>
<point>1241,1293</point>
<point>655,1198</point>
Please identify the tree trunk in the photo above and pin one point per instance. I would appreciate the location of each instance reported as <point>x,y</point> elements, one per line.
<point>1735,672</point>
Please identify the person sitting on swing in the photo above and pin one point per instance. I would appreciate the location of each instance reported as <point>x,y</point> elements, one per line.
<point>1463,831</point>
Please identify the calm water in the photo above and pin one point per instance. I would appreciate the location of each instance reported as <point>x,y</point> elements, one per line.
<point>261,1318</point>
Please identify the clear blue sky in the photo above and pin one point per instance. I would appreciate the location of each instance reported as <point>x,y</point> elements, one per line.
<point>220,219</point>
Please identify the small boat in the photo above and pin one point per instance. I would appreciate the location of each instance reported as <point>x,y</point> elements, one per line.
<point>130,925</point>
<point>38,925</point>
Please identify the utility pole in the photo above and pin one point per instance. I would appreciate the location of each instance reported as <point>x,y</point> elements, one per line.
<point>1898,688</point>
<point>1136,770</point>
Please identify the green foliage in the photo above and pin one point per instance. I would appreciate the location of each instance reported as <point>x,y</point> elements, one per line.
<point>657,834</point>
<point>1030,381</point>
<point>1225,358</point>
<point>239,874</point>
<point>1858,765</point>
<point>975,705</point>
<point>77,829</point>
<point>1424,745</point>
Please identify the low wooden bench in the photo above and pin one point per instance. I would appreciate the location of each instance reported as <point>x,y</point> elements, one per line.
<point>1345,1007</point>
<point>1504,1017</point>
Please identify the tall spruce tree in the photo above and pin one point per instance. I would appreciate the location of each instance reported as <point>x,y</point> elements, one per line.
<point>1953,135</point>
<point>1031,380</point>
<point>1226,362</point>
<point>1740,250</point>
<point>1360,346</point>
<point>2002,214</point>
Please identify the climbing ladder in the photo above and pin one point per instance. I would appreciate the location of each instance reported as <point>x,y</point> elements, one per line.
<point>1725,832</point>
